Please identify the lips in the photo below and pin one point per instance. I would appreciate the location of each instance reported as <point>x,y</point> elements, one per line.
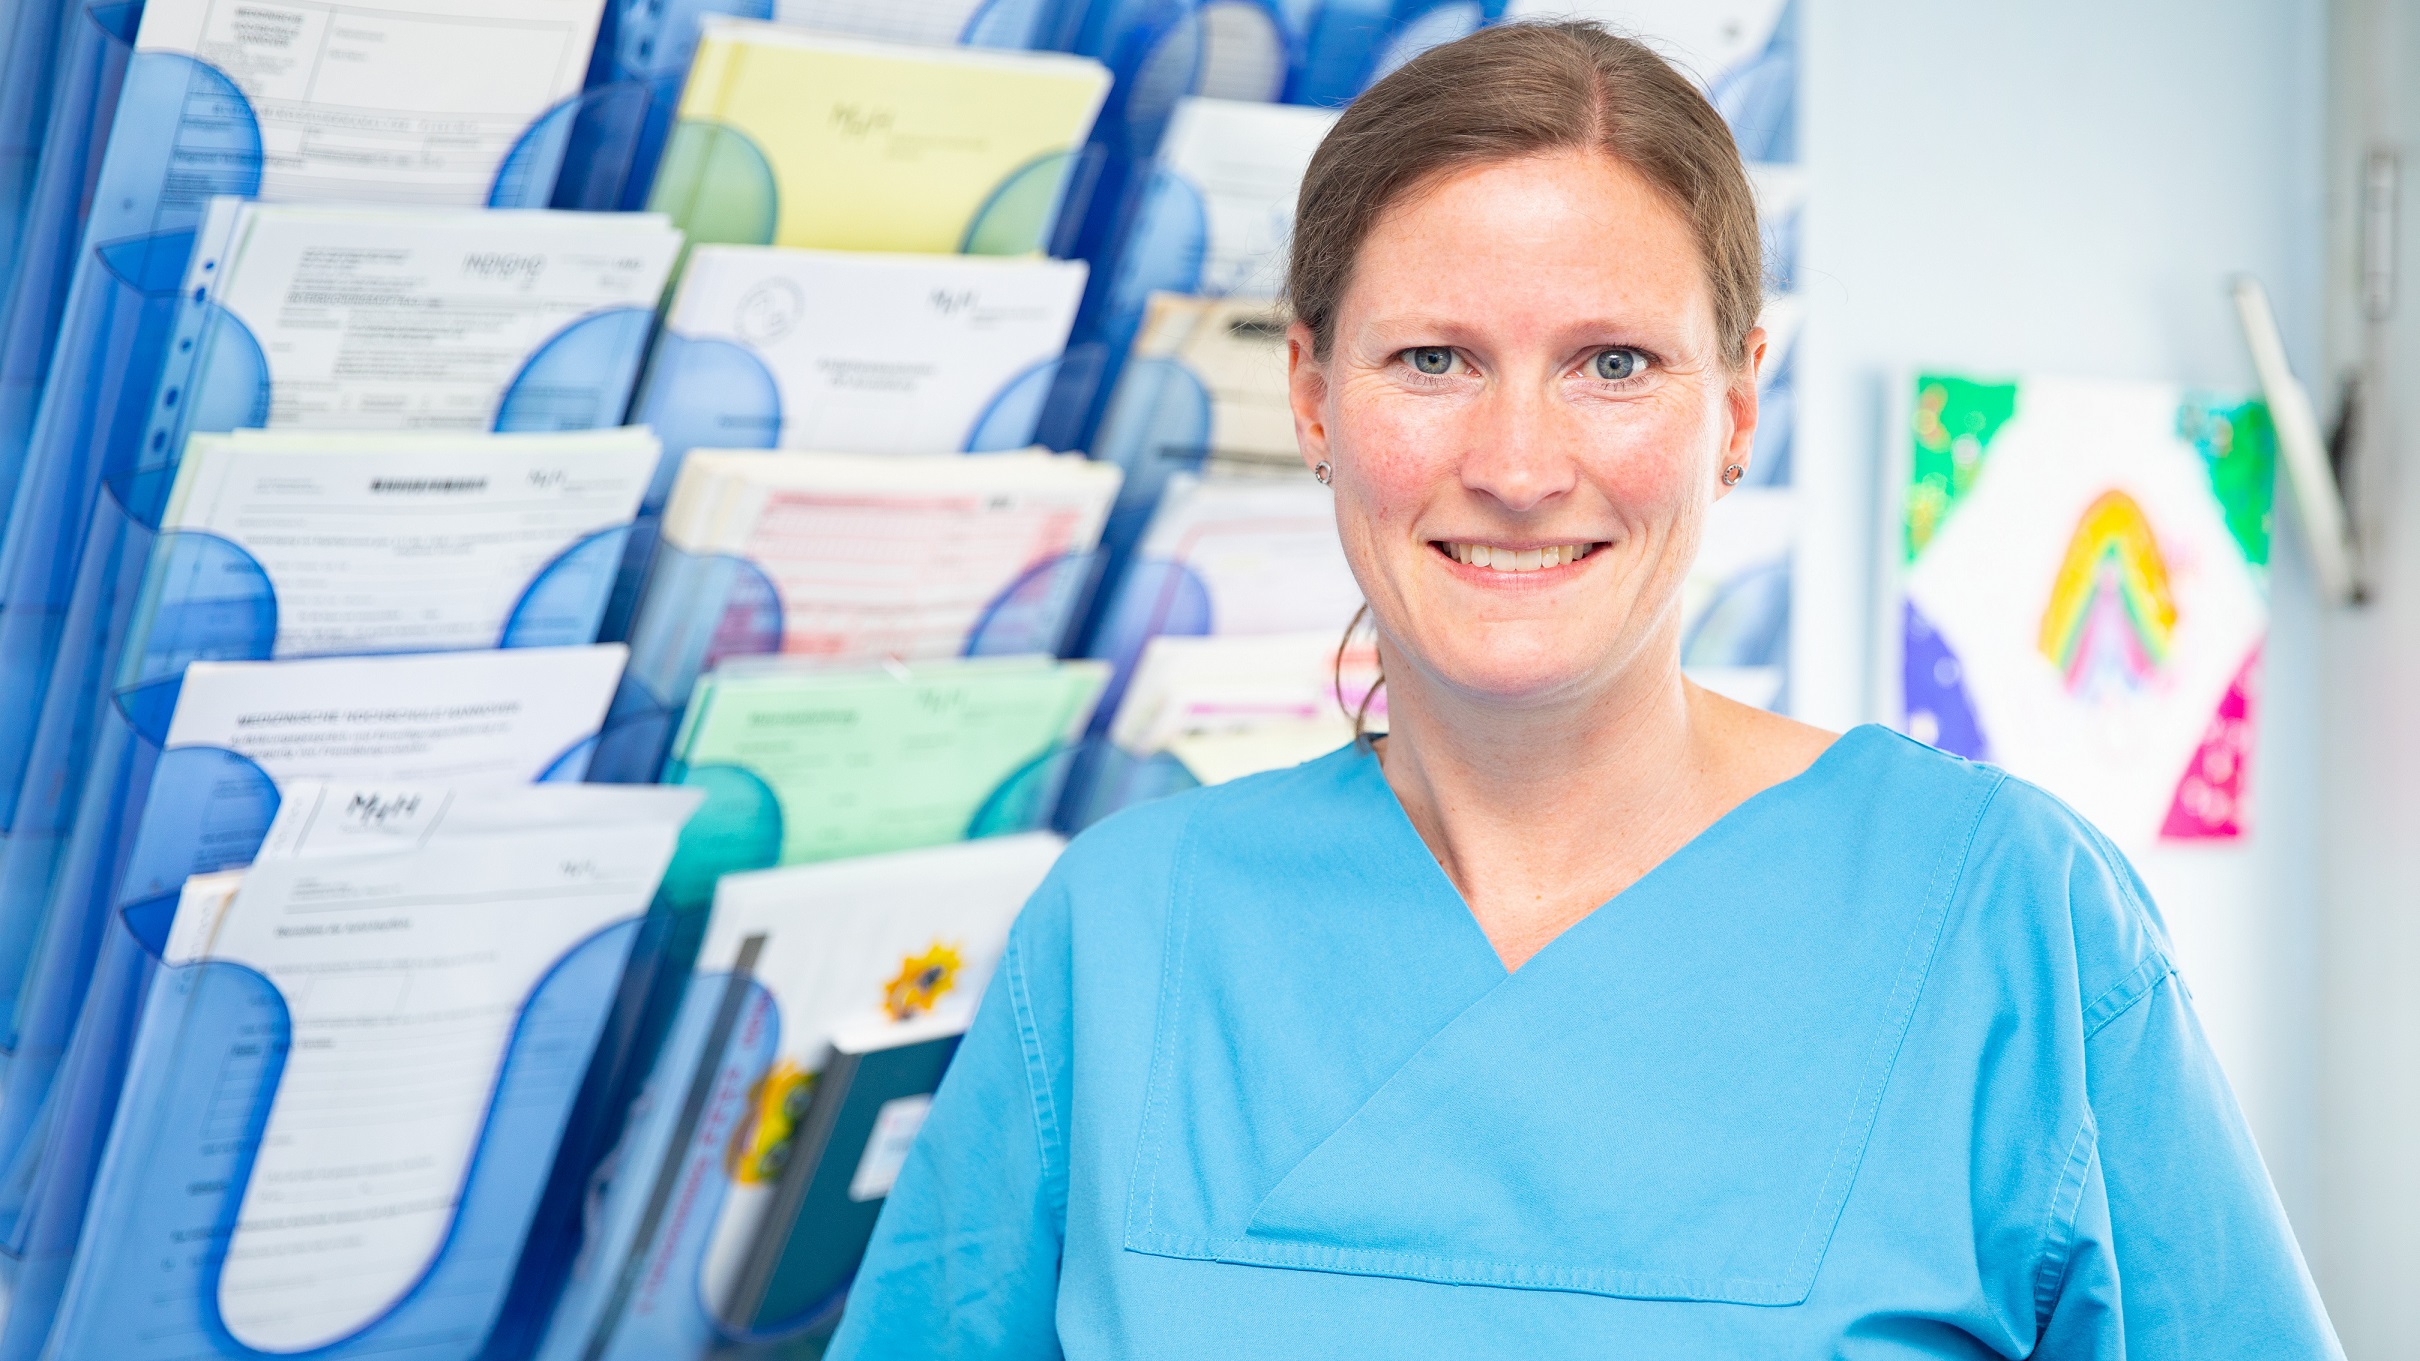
<point>1502,558</point>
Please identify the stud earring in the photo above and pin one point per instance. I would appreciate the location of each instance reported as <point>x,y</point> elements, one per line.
<point>1733,474</point>
<point>1323,472</point>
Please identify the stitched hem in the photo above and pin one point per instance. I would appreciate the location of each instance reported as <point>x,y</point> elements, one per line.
<point>1048,1135</point>
<point>2058,1223</point>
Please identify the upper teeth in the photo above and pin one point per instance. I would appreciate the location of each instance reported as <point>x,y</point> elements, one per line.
<point>1516,559</point>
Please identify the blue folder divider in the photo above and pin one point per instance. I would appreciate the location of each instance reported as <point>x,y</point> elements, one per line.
<point>1759,96</point>
<point>645,47</point>
<point>206,809</point>
<point>183,134</point>
<point>211,1041</point>
<point>699,609</point>
<point>706,393</point>
<point>232,618</point>
<point>95,45</point>
<point>216,380</point>
<point>29,59</point>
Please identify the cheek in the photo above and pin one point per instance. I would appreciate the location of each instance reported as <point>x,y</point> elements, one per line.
<point>1399,452</point>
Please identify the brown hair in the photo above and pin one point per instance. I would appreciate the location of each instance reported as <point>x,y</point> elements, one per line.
<point>1519,90</point>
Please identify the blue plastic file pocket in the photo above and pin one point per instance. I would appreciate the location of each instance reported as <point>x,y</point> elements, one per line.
<point>1758,96</point>
<point>707,392</point>
<point>29,51</point>
<point>201,809</point>
<point>1352,43</point>
<point>650,43</point>
<point>208,1056</point>
<point>95,44</point>
<point>698,610</point>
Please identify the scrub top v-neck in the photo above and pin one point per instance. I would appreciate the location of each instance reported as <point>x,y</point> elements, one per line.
<point>1891,1061</point>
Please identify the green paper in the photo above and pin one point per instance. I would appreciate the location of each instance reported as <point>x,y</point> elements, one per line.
<point>800,766</point>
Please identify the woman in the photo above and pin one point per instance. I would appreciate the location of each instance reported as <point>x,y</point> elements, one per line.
<point>1587,1013</point>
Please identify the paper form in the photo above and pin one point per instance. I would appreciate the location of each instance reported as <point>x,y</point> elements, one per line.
<point>892,556</point>
<point>922,136</point>
<point>1227,683</point>
<point>1237,349</point>
<point>904,21</point>
<point>397,542</point>
<point>403,974</point>
<point>420,319</point>
<point>457,718</point>
<point>415,101</point>
<point>1246,160</point>
<point>863,762</point>
<point>1264,549</point>
<point>870,353</point>
<point>840,938</point>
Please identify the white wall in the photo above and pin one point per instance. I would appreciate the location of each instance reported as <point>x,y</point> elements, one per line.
<point>2368,1253</point>
<point>2063,186</point>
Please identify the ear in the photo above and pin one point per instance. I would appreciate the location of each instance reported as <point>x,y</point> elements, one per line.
<point>1741,401</point>
<point>1307,394</point>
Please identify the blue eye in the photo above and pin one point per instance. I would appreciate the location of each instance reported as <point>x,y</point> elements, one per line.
<point>1431,359</point>
<point>1617,363</point>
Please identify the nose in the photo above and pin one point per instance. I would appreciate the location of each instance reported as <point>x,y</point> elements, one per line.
<point>1516,451</point>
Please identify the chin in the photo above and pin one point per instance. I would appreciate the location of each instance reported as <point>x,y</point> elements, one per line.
<point>1517,676</point>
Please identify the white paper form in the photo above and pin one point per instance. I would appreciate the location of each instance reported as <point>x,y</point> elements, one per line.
<point>1247,162</point>
<point>878,940</point>
<point>404,319</point>
<point>402,101</point>
<point>399,542</point>
<point>1264,549</point>
<point>904,21</point>
<point>874,353</point>
<point>403,973</point>
<point>466,719</point>
<point>896,556</point>
<point>1228,683</point>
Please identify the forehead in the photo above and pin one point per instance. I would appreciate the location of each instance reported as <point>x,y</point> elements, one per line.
<point>1563,232</point>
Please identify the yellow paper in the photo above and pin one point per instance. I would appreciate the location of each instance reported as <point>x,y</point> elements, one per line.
<point>799,139</point>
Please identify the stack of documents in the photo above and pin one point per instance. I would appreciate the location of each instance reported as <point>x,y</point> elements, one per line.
<point>404,318</point>
<point>793,138</point>
<point>808,766</point>
<point>847,559</point>
<point>352,1075</point>
<point>347,542</point>
<point>1212,218</point>
<point>1237,705</point>
<point>794,961</point>
<point>856,351</point>
<point>242,737</point>
<point>1229,556</point>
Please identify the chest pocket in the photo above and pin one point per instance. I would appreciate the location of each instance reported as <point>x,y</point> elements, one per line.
<point>1668,1102</point>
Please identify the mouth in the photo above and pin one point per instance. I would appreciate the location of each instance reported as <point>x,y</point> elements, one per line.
<point>1512,558</point>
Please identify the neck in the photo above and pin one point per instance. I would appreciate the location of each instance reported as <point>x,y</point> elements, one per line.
<point>1541,813</point>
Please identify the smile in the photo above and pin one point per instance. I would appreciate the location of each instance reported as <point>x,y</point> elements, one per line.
<point>1499,558</point>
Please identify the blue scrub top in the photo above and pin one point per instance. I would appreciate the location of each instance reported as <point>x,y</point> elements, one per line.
<point>1890,1061</point>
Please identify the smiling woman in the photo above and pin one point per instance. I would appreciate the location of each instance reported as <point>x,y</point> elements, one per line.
<point>1585,1013</point>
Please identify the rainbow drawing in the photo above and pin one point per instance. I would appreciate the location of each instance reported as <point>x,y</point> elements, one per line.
<point>2111,616</point>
